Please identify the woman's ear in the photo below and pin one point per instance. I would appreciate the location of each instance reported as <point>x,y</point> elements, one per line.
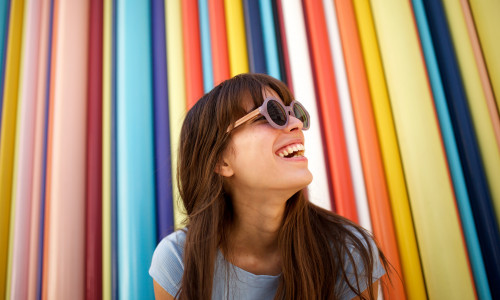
<point>224,169</point>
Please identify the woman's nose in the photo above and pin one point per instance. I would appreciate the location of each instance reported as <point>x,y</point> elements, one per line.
<point>294,123</point>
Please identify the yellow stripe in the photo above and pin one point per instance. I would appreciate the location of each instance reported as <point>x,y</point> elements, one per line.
<point>236,41</point>
<point>176,93</point>
<point>407,244</point>
<point>106,149</point>
<point>447,273</point>
<point>8,131</point>
<point>487,24</point>
<point>8,287</point>
<point>475,96</point>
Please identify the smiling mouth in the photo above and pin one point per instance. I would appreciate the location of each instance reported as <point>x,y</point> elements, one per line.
<point>293,150</point>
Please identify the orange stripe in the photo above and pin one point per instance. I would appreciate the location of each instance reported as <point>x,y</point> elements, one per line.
<point>376,186</point>
<point>333,130</point>
<point>192,54</point>
<point>220,56</point>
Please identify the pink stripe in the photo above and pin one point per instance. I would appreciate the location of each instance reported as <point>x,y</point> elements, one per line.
<point>39,105</point>
<point>23,182</point>
<point>65,219</point>
<point>483,73</point>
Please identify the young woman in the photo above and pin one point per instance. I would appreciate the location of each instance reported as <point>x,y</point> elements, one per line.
<point>250,231</point>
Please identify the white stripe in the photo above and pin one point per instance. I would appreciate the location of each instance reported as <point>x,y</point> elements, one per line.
<point>303,86</point>
<point>347,114</point>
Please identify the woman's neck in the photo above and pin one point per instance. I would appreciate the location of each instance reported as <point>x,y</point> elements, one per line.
<point>253,236</point>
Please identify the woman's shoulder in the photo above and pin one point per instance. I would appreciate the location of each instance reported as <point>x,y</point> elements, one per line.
<point>167,264</point>
<point>362,252</point>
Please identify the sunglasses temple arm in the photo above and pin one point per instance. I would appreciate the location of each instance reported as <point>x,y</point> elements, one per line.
<point>244,119</point>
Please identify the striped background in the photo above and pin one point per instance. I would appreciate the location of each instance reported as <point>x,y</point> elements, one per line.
<point>405,132</point>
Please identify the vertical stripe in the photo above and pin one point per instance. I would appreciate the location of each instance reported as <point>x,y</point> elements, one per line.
<point>164,205</point>
<point>106,148</point>
<point>390,151</point>
<point>347,114</point>
<point>483,126</point>
<point>24,160</point>
<point>38,150</point>
<point>93,250</point>
<point>318,190</point>
<point>456,171</point>
<point>380,207</point>
<point>483,73</point>
<point>64,249</point>
<point>8,132</point>
<point>283,56</point>
<point>192,51</point>
<point>236,41</point>
<point>270,38</point>
<point>253,28</point>
<point>206,46</point>
<point>220,56</point>
<point>444,259</point>
<point>330,111</point>
<point>4,29</point>
<point>136,212</point>
<point>489,237</point>
<point>176,93</point>
<point>487,23</point>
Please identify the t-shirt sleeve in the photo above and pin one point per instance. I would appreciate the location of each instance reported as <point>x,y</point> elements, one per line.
<point>377,272</point>
<point>167,266</point>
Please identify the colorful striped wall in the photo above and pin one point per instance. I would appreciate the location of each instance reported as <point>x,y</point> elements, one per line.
<point>404,98</point>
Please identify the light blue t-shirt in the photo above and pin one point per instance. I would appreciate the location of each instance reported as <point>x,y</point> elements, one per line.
<point>167,268</point>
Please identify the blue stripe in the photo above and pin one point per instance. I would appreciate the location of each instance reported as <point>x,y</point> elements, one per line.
<point>270,39</point>
<point>463,201</point>
<point>206,46</point>
<point>255,43</point>
<point>136,207</point>
<point>475,178</point>
<point>164,203</point>
<point>4,29</point>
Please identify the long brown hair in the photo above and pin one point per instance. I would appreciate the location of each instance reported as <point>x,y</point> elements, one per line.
<point>314,243</point>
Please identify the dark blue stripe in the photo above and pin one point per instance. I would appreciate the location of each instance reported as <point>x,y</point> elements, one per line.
<point>482,208</point>
<point>255,43</point>
<point>164,203</point>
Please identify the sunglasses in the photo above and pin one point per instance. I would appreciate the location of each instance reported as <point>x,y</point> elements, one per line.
<point>276,114</point>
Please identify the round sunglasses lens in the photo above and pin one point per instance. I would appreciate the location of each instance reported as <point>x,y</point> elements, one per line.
<point>276,112</point>
<point>301,114</point>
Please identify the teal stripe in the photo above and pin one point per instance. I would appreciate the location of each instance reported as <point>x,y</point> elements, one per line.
<point>4,28</point>
<point>269,37</point>
<point>135,152</point>
<point>456,171</point>
<point>206,44</point>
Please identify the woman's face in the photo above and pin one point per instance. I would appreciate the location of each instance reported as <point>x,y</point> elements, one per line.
<point>256,156</point>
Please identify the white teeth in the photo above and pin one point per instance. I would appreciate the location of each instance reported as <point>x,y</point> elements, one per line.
<point>293,149</point>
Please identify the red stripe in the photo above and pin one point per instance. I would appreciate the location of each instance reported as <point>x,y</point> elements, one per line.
<point>376,187</point>
<point>329,107</point>
<point>192,51</point>
<point>93,234</point>
<point>220,56</point>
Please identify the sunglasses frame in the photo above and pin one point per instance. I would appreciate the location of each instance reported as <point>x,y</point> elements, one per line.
<point>262,110</point>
